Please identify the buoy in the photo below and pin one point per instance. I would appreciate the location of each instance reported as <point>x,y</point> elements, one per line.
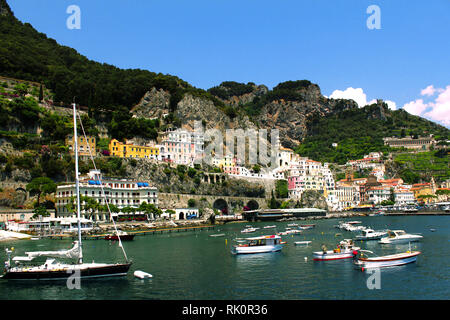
<point>142,274</point>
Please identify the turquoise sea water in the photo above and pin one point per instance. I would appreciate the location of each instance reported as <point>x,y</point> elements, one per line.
<point>194,266</point>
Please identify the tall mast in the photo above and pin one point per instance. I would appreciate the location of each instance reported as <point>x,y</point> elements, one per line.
<point>80,255</point>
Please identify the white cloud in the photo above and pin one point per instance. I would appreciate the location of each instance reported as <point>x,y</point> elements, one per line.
<point>428,91</point>
<point>437,110</point>
<point>416,107</point>
<point>440,109</point>
<point>391,104</point>
<point>358,95</point>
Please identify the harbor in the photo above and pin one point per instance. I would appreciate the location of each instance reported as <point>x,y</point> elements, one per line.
<point>200,265</point>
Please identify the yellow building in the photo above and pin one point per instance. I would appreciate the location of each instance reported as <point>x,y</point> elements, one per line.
<point>423,189</point>
<point>124,150</point>
<point>84,144</point>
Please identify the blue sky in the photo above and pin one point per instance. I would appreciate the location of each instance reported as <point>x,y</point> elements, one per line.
<point>328,42</point>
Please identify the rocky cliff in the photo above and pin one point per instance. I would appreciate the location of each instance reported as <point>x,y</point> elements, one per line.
<point>287,108</point>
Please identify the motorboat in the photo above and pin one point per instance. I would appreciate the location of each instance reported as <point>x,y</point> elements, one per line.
<point>292,225</point>
<point>399,236</point>
<point>269,227</point>
<point>370,234</point>
<point>300,243</point>
<point>351,227</point>
<point>306,226</point>
<point>261,244</point>
<point>391,260</point>
<point>345,250</point>
<point>122,234</point>
<point>378,213</point>
<point>249,230</point>
<point>288,232</point>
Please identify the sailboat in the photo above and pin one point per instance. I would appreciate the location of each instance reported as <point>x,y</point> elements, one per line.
<point>52,269</point>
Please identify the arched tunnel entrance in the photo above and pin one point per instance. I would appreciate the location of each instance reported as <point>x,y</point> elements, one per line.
<point>252,205</point>
<point>221,205</point>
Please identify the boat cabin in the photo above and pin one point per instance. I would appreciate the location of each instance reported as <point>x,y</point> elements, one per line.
<point>263,241</point>
<point>396,233</point>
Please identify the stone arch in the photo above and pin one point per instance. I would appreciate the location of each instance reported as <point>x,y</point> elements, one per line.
<point>253,205</point>
<point>221,205</point>
<point>181,216</point>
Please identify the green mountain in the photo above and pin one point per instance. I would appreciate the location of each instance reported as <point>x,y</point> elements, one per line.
<point>127,102</point>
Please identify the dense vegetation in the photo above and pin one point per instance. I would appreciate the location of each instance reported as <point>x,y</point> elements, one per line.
<point>28,54</point>
<point>360,131</point>
<point>421,166</point>
<point>228,89</point>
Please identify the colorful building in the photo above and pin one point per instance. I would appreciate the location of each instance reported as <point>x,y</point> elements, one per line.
<point>125,150</point>
<point>84,145</point>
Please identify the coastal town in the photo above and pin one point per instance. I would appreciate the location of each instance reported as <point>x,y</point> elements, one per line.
<point>223,151</point>
<point>364,188</point>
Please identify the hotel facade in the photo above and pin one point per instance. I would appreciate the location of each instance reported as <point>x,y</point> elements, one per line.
<point>119,192</point>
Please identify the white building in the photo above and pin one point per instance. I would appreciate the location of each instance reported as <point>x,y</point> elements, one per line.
<point>403,197</point>
<point>182,146</point>
<point>378,194</point>
<point>119,192</point>
<point>305,174</point>
<point>343,197</point>
<point>181,214</point>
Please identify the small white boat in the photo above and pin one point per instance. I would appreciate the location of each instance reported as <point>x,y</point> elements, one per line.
<point>269,227</point>
<point>142,274</point>
<point>217,235</point>
<point>344,250</point>
<point>262,244</point>
<point>299,243</point>
<point>391,260</point>
<point>288,232</point>
<point>249,230</point>
<point>399,236</point>
<point>370,234</point>
<point>292,225</point>
<point>306,226</point>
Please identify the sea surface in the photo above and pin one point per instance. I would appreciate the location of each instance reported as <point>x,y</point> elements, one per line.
<point>193,265</point>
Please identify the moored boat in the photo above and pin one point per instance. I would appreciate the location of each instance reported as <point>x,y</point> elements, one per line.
<point>344,250</point>
<point>399,236</point>
<point>299,243</point>
<point>391,260</point>
<point>370,234</point>
<point>262,244</point>
<point>249,230</point>
<point>53,270</point>
<point>123,236</point>
<point>306,226</point>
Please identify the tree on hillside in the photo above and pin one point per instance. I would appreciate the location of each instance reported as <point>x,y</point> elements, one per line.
<point>41,93</point>
<point>41,186</point>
